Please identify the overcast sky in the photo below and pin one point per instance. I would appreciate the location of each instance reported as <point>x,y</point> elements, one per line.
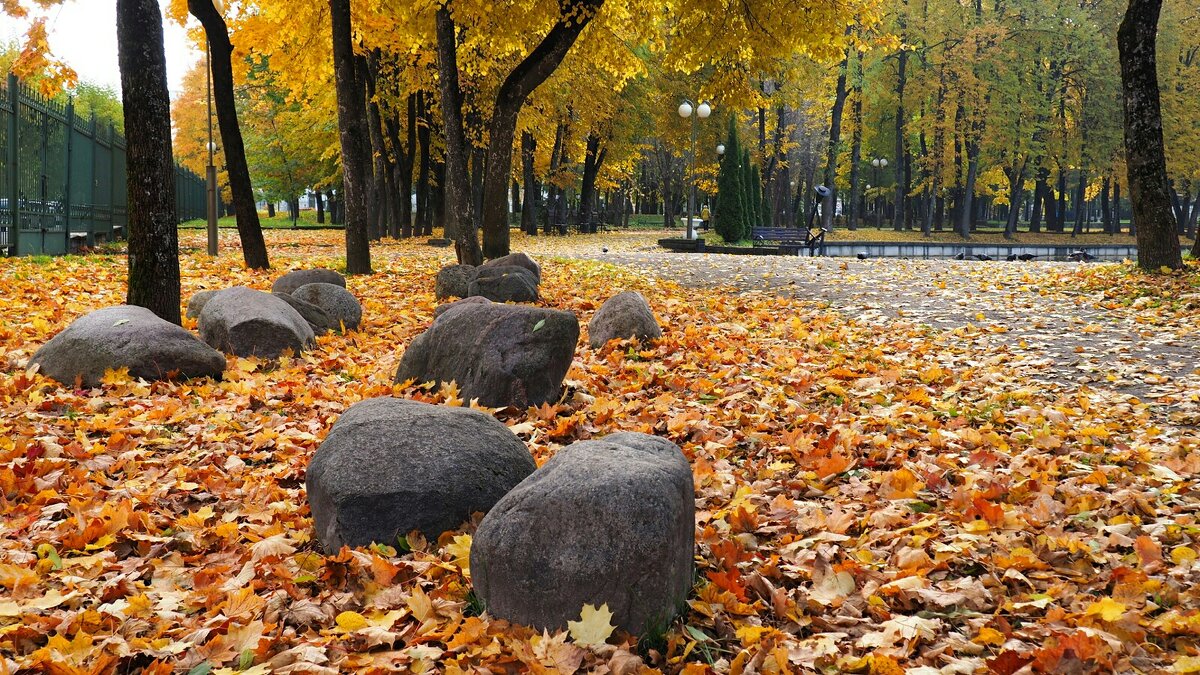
<point>84,34</point>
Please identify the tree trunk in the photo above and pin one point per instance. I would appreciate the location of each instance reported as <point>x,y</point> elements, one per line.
<point>424,212</point>
<point>378,199</point>
<point>529,206</point>
<point>901,150</point>
<point>352,122</point>
<point>968,193</point>
<point>254,247</point>
<point>856,115</point>
<point>592,160</point>
<point>1117,208</point>
<point>401,168</point>
<point>153,238</point>
<point>405,170</point>
<point>519,85</point>
<point>835,139</point>
<point>1080,210</point>
<point>556,155</point>
<point>1016,190</point>
<point>1105,206</point>
<point>1158,242</point>
<point>459,221</point>
<point>270,209</point>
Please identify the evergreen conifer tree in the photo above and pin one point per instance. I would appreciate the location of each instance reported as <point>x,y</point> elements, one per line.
<point>730,214</point>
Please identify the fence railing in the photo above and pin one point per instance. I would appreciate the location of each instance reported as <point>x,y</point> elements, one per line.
<point>62,177</point>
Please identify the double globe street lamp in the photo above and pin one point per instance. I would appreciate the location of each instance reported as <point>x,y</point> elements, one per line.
<point>702,111</point>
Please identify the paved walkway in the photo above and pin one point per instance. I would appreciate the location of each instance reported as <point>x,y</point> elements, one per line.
<point>987,309</point>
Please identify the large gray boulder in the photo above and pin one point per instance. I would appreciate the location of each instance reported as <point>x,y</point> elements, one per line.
<point>318,320</point>
<point>196,303</point>
<point>125,337</point>
<point>339,303</point>
<point>452,281</point>
<point>297,278</point>
<point>504,283</point>
<point>391,466</point>
<point>247,322</point>
<point>518,260</point>
<point>625,315</point>
<point>605,521</point>
<point>504,355</point>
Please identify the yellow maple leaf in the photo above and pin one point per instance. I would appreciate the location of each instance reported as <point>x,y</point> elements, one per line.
<point>594,626</point>
<point>117,376</point>
<point>1107,609</point>
<point>460,548</point>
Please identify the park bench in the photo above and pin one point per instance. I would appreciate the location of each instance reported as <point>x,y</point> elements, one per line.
<point>789,238</point>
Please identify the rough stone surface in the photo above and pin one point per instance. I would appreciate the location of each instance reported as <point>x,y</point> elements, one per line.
<point>504,355</point>
<point>452,281</point>
<point>339,303</point>
<point>518,260</point>
<point>318,320</point>
<point>605,521</point>
<point>442,309</point>
<point>625,315</point>
<point>125,337</point>
<point>196,302</point>
<point>391,466</point>
<point>247,322</point>
<point>297,278</point>
<point>504,283</point>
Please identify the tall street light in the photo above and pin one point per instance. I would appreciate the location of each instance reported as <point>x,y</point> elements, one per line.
<point>685,111</point>
<point>878,163</point>
<point>712,218</point>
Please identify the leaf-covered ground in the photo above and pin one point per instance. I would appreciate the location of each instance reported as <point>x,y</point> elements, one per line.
<point>876,492</point>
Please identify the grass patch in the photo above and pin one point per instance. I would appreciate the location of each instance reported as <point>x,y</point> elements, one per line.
<point>281,221</point>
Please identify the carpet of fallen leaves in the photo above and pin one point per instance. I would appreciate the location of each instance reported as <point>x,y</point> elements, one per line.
<point>867,500</point>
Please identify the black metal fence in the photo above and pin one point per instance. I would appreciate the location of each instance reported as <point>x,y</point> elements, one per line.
<point>62,177</point>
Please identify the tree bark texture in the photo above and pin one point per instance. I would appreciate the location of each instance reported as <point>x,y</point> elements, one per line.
<point>153,238</point>
<point>529,205</point>
<point>456,186</point>
<point>1145,158</point>
<point>352,131</point>
<point>254,247</point>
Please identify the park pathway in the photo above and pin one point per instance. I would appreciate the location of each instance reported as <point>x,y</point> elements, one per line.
<point>1059,338</point>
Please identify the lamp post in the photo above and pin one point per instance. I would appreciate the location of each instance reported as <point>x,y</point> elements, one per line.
<point>685,111</point>
<point>878,163</point>
<point>712,219</point>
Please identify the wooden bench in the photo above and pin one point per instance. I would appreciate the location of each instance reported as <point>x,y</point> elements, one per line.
<point>789,238</point>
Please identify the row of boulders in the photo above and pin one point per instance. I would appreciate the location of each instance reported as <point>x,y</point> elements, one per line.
<point>302,305</point>
<point>511,355</point>
<point>604,521</point>
<point>512,278</point>
<point>238,320</point>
